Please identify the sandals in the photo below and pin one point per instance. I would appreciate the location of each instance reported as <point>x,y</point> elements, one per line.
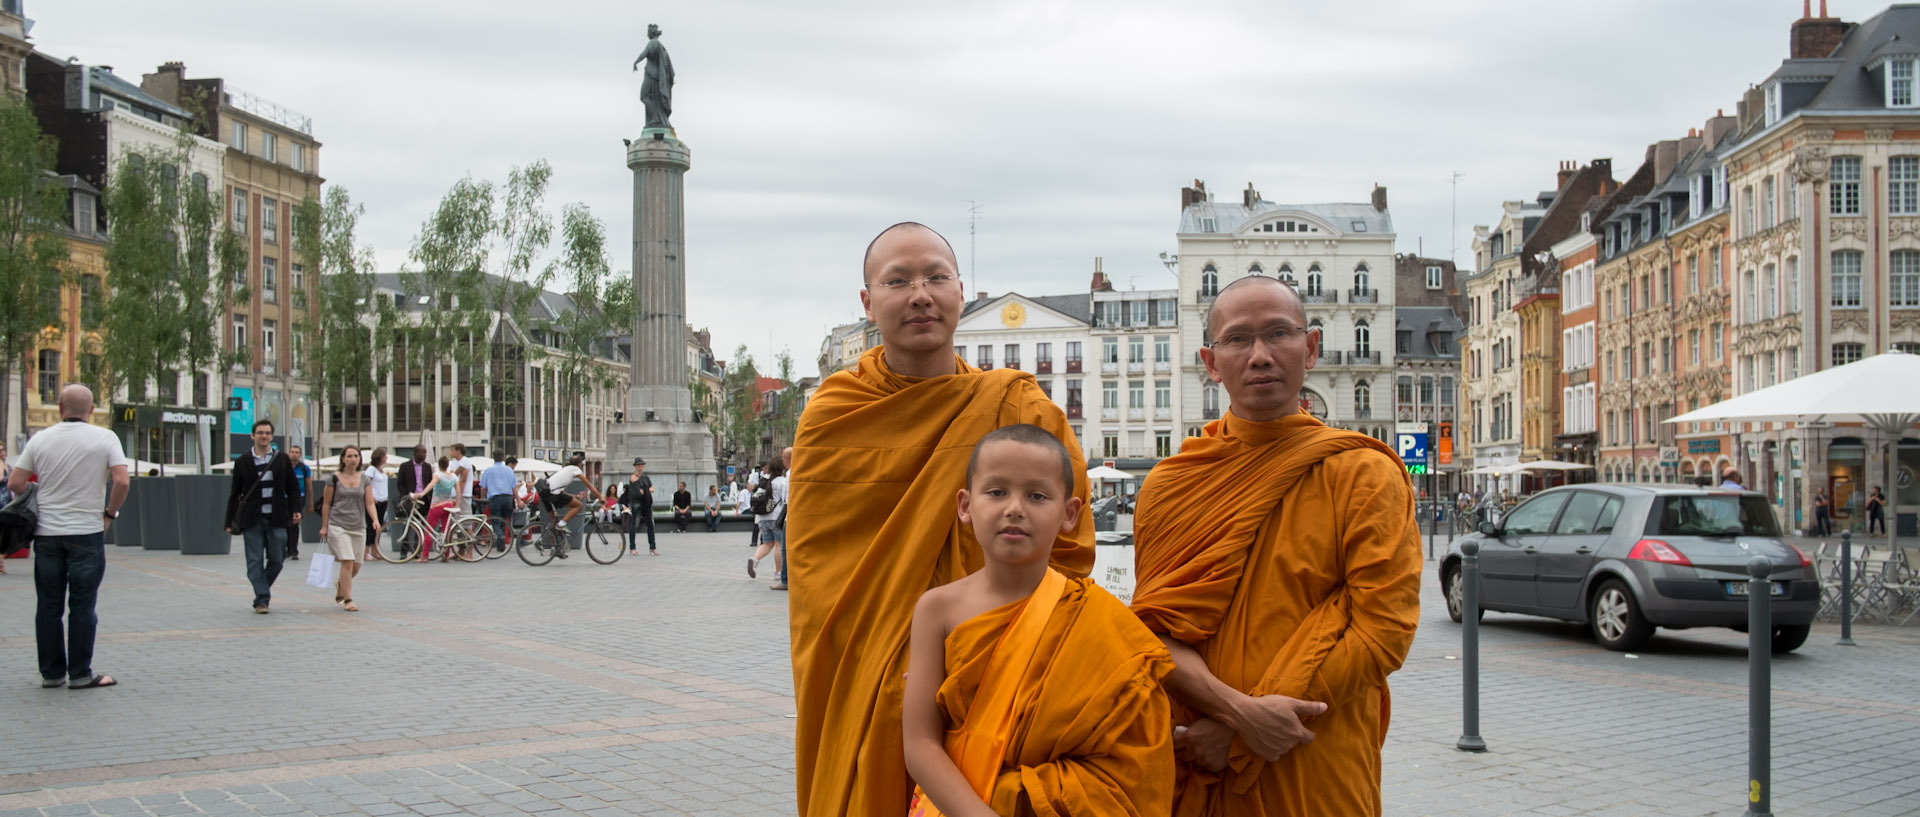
<point>350,607</point>
<point>97,680</point>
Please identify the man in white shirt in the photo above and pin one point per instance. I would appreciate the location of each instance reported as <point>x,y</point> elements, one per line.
<point>71,460</point>
<point>555,495</point>
<point>463,470</point>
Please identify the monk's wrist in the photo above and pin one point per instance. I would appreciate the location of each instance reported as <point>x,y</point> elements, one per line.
<point>1232,710</point>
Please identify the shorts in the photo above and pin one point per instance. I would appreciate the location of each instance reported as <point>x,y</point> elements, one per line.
<point>346,545</point>
<point>771,532</point>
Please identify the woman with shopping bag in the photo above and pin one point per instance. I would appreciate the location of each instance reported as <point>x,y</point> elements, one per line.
<point>347,509</point>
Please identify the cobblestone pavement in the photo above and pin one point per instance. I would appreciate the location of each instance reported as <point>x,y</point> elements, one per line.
<point>660,685</point>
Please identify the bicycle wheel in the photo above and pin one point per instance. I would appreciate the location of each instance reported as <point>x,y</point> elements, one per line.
<point>469,539</point>
<point>497,545</point>
<point>534,546</point>
<point>603,542</point>
<point>405,544</point>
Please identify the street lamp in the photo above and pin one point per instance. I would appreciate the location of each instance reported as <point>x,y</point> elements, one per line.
<point>1172,263</point>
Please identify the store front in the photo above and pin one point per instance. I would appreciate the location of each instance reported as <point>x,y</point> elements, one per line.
<point>176,438</point>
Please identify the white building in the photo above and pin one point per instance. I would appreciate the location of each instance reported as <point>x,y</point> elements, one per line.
<point>1340,257</point>
<point>1043,334</point>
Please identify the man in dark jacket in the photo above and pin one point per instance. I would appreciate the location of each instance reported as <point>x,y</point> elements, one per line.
<point>415,478</point>
<point>261,504</point>
<point>637,494</point>
<point>302,480</point>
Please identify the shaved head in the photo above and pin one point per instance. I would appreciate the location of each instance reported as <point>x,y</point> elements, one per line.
<point>866,261</point>
<point>1297,307</point>
<point>76,401</point>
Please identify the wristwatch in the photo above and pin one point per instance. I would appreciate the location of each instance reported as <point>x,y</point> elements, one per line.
<point>110,514</point>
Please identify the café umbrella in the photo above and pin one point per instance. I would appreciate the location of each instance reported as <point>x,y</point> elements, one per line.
<point>1881,392</point>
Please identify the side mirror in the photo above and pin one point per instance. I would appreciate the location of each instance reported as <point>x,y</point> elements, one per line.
<point>1489,529</point>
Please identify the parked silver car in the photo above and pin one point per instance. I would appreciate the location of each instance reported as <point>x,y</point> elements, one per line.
<point>1625,559</point>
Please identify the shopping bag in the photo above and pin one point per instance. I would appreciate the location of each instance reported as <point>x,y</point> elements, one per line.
<point>321,571</point>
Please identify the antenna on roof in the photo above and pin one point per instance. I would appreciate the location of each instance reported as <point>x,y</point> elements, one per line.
<point>973,257</point>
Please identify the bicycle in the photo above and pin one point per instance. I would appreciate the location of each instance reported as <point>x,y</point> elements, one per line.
<point>467,538</point>
<point>537,542</point>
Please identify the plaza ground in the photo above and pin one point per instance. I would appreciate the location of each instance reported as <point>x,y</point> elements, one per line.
<point>661,685</point>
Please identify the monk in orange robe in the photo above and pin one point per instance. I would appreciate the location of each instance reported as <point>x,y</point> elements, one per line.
<point>1279,561</point>
<point>880,454</point>
<point>1029,692</point>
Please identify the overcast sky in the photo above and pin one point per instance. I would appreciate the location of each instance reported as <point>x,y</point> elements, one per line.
<point>814,125</point>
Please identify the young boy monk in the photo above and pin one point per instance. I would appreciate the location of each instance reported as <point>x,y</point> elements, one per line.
<point>1029,692</point>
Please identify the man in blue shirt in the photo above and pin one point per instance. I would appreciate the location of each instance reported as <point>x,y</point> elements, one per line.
<point>498,482</point>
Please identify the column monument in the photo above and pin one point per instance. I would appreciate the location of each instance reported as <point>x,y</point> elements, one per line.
<point>660,426</point>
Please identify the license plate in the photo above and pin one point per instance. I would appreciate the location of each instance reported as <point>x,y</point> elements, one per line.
<point>1740,588</point>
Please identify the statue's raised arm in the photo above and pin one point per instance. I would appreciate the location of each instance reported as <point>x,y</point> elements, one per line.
<point>656,88</point>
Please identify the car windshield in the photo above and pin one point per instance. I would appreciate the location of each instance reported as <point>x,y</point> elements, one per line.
<point>1716,515</point>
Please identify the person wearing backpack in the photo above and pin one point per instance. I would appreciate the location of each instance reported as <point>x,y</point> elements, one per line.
<point>769,501</point>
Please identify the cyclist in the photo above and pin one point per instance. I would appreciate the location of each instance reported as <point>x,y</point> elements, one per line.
<point>554,495</point>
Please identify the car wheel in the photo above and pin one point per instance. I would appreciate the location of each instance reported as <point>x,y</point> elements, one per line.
<point>1615,617</point>
<point>1788,639</point>
<point>1456,588</point>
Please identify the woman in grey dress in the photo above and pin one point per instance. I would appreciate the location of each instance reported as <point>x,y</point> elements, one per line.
<point>349,509</point>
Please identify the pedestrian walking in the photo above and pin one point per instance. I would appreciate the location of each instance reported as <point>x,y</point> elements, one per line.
<point>497,480</point>
<point>637,495</point>
<point>377,485</point>
<point>1822,513</point>
<point>346,512</point>
<point>1730,480</point>
<point>260,507</point>
<point>1876,512</point>
<point>7,544</point>
<point>713,508</point>
<point>302,476</point>
<point>769,501</point>
<point>682,508</point>
<point>67,464</point>
<point>743,505</point>
<point>786,465</point>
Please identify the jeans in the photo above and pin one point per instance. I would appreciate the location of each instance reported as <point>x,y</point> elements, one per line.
<point>713,520</point>
<point>500,516</point>
<point>640,515</point>
<point>783,553</point>
<point>1822,522</point>
<point>67,570</point>
<point>1876,522</point>
<point>266,552</point>
<point>681,518</point>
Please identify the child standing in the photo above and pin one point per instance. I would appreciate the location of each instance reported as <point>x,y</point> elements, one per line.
<point>1030,691</point>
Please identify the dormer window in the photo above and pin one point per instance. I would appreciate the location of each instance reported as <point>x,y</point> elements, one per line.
<point>85,222</point>
<point>1900,83</point>
<point>1773,102</point>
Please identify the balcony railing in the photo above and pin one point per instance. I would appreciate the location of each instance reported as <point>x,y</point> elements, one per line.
<point>1362,296</point>
<point>1328,357</point>
<point>1321,298</point>
<point>1206,297</point>
<point>1162,413</point>
<point>1163,365</point>
<point>1075,412</point>
<point>1043,367</point>
<point>1073,365</point>
<point>1136,367</point>
<point>1360,358</point>
<point>1110,367</point>
<point>1210,414</point>
<point>1363,414</point>
<point>985,365</point>
<point>1136,414</point>
<point>1109,414</point>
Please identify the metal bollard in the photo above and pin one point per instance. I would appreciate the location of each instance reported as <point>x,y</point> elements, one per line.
<point>1846,589</point>
<point>1470,740</point>
<point>1759,685</point>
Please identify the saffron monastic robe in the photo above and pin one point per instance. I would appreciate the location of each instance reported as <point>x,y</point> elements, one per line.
<point>1085,729</point>
<point>878,461</point>
<point>1287,554</point>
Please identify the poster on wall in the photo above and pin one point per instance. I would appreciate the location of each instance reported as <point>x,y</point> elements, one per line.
<point>1113,569</point>
<point>240,421</point>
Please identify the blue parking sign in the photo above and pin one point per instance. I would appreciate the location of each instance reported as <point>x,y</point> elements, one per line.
<point>1411,447</point>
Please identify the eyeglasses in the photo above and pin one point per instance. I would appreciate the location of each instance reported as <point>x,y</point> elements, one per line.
<point>1273,337</point>
<point>937,282</point>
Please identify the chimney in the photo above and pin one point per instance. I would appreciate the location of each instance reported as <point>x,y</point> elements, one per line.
<point>1813,38</point>
<point>1379,198</point>
<point>980,296</point>
<point>1567,170</point>
<point>1666,154</point>
<point>1249,196</point>
<point>1100,281</point>
<point>165,81</point>
<point>1190,196</point>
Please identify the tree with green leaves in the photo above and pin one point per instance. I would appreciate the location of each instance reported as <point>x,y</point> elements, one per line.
<point>31,249</point>
<point>347,349</point>
<point>453,251</point>
<point>582,338</point>
<point>740,424</point>
<point>168,255</point>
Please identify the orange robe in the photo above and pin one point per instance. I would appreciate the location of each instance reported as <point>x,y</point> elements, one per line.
<point>878,462</point>
<point>1287,554</point>
<point>1091,732</point>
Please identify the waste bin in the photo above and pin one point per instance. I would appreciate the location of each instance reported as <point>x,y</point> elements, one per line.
<point>160,516</point>
<point>202,500</point>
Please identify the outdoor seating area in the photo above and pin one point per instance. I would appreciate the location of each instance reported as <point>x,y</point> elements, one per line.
<point>1885,585</point>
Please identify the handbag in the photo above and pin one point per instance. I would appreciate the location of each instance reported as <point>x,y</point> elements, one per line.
<point>321,571</point>
<point>22,513</point>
